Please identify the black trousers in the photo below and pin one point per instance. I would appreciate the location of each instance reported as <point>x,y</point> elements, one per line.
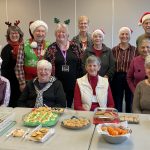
<point>120,88</point>
<point>69,97</point>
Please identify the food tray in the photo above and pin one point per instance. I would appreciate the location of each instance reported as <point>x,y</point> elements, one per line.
<point>76,123</point>
<point>105,115</point>
<point>131,119</point>
<point>37,117</point>
<point>40,134</point>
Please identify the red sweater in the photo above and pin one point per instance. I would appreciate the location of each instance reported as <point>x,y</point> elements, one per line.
<point>93,82</point>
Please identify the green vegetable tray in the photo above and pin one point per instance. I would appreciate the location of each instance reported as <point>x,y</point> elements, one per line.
<point>46,119</point>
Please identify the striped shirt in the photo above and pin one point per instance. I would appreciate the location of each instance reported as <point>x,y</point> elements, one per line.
<point>123,57</point>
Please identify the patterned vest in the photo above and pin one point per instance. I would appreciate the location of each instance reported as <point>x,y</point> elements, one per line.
<point>31,60</point>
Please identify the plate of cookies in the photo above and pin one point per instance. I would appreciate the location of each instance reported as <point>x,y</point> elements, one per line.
<point>131,119</point>
<point>76,123</point>
<point>41,134</point>
<point>18,132</point>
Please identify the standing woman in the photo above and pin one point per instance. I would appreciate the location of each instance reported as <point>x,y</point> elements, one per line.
<point>9,53</point>
<point>100,50</point>
<point>83,39</point>
<point>136,72</point>
<point>65,58</point>
<point>34,49</point>
<point>123,53</point>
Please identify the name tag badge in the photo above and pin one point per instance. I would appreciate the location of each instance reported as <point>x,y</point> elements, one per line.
<point>65,68</point>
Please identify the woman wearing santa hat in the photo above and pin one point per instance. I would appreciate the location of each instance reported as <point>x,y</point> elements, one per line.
<point>123,53</point>
<point>145,22</point>
<point>34,49</point>
<point>100,50</point>
<point>9,54</point>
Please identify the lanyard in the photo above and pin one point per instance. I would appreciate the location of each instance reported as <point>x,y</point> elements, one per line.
<point>64,53</point>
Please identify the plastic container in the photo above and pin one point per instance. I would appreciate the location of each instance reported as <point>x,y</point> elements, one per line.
<point>105,115</point>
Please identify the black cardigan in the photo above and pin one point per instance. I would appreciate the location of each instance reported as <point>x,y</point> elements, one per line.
<point>53,97</point>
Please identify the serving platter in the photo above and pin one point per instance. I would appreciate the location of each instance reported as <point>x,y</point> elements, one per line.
<point>43,117</point>
<point>76,123</point>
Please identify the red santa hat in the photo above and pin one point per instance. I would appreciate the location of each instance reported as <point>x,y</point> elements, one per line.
<point>144,17</point>
<point>38,23</point>
<point>99,31</point>
<point>122,29</point>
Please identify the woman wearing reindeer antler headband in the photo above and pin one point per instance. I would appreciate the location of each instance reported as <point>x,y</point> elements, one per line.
<point>9,54</point>
<point>65,58</point>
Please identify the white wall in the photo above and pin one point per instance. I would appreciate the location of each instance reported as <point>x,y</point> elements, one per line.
<point>107,14</point>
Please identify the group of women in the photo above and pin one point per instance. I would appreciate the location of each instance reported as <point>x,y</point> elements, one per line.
<point>83,72</point>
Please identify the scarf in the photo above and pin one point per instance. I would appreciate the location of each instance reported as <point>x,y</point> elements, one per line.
<point>15,46</point>
<point>39,98</point>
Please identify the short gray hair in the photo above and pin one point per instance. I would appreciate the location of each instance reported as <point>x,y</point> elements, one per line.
<point>146,39</point>
<point>44,63</point>
<point>92,59</point>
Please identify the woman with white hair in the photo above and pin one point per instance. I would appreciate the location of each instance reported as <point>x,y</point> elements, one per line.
<point>124,52</point>
<point>92,90</point>
<point>65,58</point>
<point>100,50</point>
<point>141,101</point>
<point>44,89</point>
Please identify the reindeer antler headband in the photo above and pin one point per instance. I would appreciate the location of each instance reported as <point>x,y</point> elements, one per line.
<point>10,24</point>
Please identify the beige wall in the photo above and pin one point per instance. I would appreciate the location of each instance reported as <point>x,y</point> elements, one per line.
<point>107,14</point>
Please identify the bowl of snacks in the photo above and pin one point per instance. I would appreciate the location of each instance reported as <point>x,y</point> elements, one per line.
<point>114,133</point>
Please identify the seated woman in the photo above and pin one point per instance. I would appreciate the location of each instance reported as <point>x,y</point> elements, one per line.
<point>44,89</point>
<point>92,90</point>
<point>141,102</point>
<point>4,89</point>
